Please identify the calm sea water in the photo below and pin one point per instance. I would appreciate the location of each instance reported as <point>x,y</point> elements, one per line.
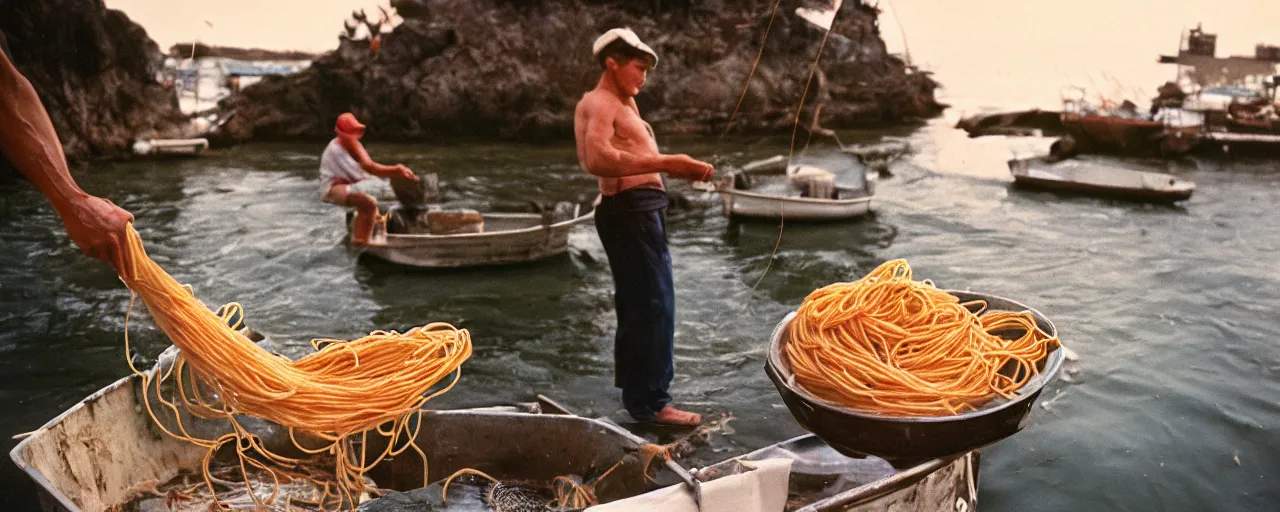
<point>1173,310</point>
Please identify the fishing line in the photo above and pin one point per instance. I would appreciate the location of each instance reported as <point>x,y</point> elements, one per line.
<point>906,48</point>
<point>795,128</point>
<point>752,73</point>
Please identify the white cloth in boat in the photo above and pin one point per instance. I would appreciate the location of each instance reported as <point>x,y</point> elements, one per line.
<point>763,489</point>
<point>337,167</point>
<point>815,182</point>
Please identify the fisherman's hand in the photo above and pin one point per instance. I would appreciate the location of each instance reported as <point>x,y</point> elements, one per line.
<point>98,227</point>
<point>686,167</point>
<point>406,173</point>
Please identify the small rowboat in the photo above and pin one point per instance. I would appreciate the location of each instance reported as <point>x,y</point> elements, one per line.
<point>1087,178</point>
<point>105,454</point>
<point>81,465</point>
<point>171,147</point>
<point>507,238</point>
<point>750,193</point>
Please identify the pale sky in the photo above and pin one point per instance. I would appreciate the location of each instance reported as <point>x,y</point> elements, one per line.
<point>1027,49</point>
<point>1021,50</point>
<point>310,25</point>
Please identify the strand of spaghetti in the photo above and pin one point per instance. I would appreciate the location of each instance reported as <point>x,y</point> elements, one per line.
<point>895,346</point>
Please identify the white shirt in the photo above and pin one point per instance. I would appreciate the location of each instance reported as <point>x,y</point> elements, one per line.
<point>338,165</point>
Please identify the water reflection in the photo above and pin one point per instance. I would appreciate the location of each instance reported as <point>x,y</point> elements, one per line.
<point>808,256</point>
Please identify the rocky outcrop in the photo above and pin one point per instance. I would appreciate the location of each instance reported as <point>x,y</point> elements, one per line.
<point>94,69</point>
<point>515,70</point>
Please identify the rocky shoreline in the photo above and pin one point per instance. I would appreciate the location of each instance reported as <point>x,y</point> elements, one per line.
<point>95,71</point>
<point>462,68</point>
<point>496,69</point>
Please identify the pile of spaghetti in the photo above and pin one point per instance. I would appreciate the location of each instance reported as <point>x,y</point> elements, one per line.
<point>890,345</point>
<point>331,399</point>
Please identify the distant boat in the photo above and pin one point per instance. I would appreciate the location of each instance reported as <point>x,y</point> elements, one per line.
<point>1101,133</point>
<point>171,147</point>
<point>1087,178</point>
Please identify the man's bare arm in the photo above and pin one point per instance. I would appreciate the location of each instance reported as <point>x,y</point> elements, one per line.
<point>357,151</point>
<point>29,141</point>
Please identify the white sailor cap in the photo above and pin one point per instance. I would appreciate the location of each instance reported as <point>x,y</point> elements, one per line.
<point>626,35</point>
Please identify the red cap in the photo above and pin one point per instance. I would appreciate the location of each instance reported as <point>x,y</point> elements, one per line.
<point>348,125</point>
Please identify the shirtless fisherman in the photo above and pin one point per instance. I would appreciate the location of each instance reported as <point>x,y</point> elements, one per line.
<point>618,147</point>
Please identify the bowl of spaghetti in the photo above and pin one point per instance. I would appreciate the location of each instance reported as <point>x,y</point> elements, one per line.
<point>896,368</point>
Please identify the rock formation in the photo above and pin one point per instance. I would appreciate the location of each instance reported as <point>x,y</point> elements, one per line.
<point>199,50</point>
<point>515,69</point>
<point>94,69</point>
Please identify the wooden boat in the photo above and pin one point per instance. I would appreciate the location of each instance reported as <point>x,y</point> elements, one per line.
<point>104,452</point>
<point>1087,178</point>
<point>1094,133</point>
<point>171,147</point>
<point>746,194</point>
<point>1033,122</point>
<point>507,238</point>
<point>81,465</point>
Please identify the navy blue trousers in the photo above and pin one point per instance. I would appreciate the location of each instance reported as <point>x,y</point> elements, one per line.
<point>632,227</point>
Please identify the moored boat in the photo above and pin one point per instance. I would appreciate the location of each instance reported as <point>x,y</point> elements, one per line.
<point>104,453</point>
<point>756,191</point>
<point>1087,178</point>
<point>1095,133</point>
<point>80,465</point>
<point>506,238</point>
<point>171,147</point>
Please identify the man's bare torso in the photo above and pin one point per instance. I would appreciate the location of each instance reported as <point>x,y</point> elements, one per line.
<point>631,134</point>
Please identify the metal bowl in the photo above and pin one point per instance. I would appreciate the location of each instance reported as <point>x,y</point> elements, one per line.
<point>907,440</point>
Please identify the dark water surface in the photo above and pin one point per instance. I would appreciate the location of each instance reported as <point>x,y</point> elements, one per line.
<point>1175,311</point>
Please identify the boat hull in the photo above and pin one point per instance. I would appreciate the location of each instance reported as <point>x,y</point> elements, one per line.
<point>742,204</point>
<point>497,247</point>
<point>1146,196</point>
<point>1098,134</point>
<point>101,451</point>
<point>1125,185</point>
<point>81,464</point>
<point>867,484</point>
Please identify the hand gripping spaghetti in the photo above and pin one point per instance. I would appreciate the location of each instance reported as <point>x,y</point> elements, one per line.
<point>337,394</point>
<point>889,345</point>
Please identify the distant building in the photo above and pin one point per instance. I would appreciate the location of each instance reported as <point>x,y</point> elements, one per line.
<point>1198,54</point>
<point>202,82</point>
<point>245,73</point>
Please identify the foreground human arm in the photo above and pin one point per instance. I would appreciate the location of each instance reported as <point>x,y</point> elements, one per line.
<point>357,151</point>
<point>602,159</point>
<point>29,141</point>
